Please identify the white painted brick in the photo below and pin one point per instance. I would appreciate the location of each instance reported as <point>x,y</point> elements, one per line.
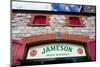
<point>29,16</point>
<point>27,35</point>
<point>27,20</point>
<point>16,31</point>
<point>84,30</point>
<point>14,24</point>
<point>21,28</point>
<point>13,21</point>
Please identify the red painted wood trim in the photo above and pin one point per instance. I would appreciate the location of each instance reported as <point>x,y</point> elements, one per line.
<point>53,36</point>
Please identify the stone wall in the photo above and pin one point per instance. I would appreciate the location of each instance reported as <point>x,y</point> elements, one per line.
<point>20,28</point>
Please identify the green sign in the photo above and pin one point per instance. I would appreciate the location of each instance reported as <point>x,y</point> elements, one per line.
<point>56,48</point>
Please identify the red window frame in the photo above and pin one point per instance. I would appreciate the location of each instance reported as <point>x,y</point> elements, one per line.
<point>35,18</point>
<point>78,21</point>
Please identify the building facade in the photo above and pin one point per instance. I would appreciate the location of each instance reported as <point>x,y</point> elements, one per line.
<point>65,34</point>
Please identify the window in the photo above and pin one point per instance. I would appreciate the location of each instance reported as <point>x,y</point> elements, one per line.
<point>75,21</point>
<point>39,20</point>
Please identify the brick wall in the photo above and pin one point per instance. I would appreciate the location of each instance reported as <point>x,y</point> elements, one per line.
<point>57,24</point>
<point>45,37</point>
